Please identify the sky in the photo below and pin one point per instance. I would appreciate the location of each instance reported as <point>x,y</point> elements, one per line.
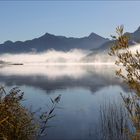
<point>23,20</point>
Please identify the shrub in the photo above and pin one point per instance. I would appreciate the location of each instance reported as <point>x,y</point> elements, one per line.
<point>129,71</point>
<point>17,122</point>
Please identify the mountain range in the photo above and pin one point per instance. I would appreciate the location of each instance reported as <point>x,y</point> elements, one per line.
<point>50,41</point>
<point>93,42</point>
<point>104,48</point>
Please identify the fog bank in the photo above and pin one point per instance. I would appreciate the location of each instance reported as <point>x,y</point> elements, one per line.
<point>50,56</point>
<point>73,56</point>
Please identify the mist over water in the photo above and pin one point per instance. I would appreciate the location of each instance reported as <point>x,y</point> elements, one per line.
<point>83,88</point>
<point>50,56</point>
<point>62,57</point>
<point>74,56</point>
<point>57,71</point>
<point>135,48</point>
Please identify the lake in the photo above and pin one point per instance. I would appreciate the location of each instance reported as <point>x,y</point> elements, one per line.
<point>83,89</point>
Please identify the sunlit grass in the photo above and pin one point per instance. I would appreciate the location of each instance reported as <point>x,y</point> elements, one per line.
<point>19,123</point>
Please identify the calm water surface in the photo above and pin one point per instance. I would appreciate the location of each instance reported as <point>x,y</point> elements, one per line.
<point>83,89</point>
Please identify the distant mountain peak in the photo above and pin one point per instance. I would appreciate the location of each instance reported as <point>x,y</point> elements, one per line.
<point>93,34</point>
<point>50,41</point>
<point>138,29</point>
<point>48,34</point>
<point>8,42</point>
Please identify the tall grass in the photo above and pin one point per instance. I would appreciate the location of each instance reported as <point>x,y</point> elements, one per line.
<point>16,122</point>
<point>114,122</point>
<point>121,121</point>
<point>19,123</point>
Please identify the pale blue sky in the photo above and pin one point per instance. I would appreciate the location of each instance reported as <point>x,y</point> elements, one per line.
<point>26,20</point>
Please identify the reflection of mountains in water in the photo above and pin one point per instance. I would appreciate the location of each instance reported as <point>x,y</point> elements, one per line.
<point>51,78</point>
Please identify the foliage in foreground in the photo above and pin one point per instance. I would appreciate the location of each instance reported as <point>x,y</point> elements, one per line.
<point>114,121</point>
<point>17,122</point>
<point>129,63</point>
<point>128,59</point>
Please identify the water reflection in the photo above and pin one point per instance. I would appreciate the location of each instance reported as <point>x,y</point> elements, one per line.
<point>83,88</point>
<point>114,121</point>
<point>50,78</point>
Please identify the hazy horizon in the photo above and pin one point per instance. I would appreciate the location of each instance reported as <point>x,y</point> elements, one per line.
<point>52,57</point>
<point>31,19</point>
